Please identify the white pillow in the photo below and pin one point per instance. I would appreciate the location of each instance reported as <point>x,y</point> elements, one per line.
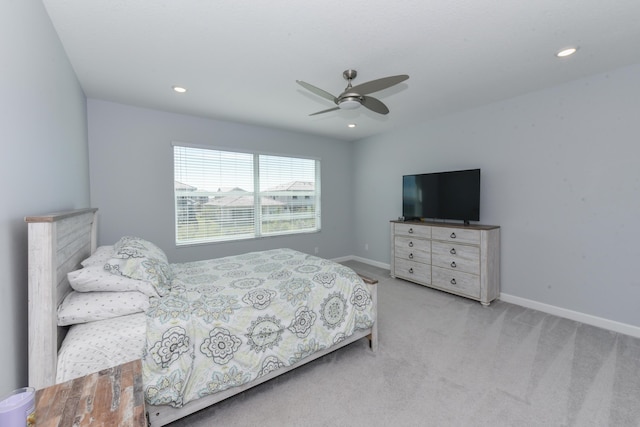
<point>95,278</point>
<point>99,257</point>
<point>83,307</point>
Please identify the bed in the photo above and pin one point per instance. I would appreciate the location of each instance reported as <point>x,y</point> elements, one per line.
<point>179,341</point>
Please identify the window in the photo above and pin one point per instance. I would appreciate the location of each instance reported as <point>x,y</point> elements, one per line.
<point>224,195</point>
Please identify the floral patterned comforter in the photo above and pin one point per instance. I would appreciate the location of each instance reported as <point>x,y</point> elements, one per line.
<point>229,320</point>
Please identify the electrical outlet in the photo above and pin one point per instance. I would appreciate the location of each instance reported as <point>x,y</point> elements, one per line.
<point>366,246</point>
<point>316,250</point>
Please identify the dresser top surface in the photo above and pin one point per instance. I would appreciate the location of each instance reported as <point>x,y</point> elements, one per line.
<point>449,224</point>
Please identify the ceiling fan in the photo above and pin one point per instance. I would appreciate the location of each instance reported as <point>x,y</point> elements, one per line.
<point>355,96</point>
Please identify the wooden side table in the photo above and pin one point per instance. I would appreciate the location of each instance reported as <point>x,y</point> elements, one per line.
<point>111,397</point>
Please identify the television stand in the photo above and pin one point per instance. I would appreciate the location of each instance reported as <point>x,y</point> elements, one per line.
<point>461,259</point>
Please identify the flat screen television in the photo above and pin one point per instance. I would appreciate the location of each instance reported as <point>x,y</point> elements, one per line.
<point>453,195</point>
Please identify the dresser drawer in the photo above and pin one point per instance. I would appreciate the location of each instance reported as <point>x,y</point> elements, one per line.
<point>454,256</point>
<point>408,229</point>
<point>459,235</point>
<point>456,281</point>
<point>413,249</point>
<point>413,271</point>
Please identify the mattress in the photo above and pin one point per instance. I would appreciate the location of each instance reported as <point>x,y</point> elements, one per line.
<point>93,346</point>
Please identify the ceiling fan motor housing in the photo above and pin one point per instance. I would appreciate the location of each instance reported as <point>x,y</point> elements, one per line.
<point>349,102</point>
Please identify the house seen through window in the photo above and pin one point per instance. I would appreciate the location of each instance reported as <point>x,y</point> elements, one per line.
<point>224,195</point>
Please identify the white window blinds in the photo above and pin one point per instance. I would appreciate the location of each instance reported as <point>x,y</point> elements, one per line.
<point>224,195</point>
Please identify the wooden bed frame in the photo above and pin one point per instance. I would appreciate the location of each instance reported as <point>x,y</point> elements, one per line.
<point>57,244</point>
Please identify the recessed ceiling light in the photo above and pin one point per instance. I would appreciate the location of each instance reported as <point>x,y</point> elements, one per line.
<point>179,89</point>
<point>351,125</point>
<point>566,52</point>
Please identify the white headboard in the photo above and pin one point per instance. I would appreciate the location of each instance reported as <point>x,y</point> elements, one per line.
<point>58,242</point>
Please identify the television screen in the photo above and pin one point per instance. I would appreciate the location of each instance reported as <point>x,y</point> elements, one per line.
<point>443,195</point>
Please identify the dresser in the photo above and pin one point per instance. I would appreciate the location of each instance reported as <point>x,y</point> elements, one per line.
<point>456,258</point>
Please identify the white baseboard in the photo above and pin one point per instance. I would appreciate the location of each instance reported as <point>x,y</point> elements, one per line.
<point>588,319</point>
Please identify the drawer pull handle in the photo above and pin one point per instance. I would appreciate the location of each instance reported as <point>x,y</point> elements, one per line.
<point>410,244</point>
<point>410,256</point>
<point>453,264</point>
<point>452,251</point>
<point>411,231</point>
<point>453,281</point>
<point>411,270</point>
<point>453,235</point>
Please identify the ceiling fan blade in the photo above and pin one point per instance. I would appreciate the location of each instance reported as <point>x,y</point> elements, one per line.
<point>374,105</point>
<point>379,84</point>
<point>318,91</point>
<point>325,111</point>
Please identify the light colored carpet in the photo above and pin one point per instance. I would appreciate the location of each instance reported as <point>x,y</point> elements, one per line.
<point>447,361</point>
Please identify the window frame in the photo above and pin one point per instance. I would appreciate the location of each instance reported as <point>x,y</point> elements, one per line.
<point>258,213</point>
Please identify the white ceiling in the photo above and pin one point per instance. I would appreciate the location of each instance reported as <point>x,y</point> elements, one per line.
<point>240,59</point>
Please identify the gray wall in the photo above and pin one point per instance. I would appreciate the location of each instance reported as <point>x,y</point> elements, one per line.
<point>45,164</point>
<point>131,160</point>
<point>560,174</point>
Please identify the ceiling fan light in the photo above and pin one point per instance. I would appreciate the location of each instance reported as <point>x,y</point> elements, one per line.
<point>350,103</point>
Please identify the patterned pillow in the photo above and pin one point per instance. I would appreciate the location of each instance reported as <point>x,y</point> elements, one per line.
<point>83,307</point>
<point>137,258</point>
<point>135,247</point>
<point>94,278</point>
